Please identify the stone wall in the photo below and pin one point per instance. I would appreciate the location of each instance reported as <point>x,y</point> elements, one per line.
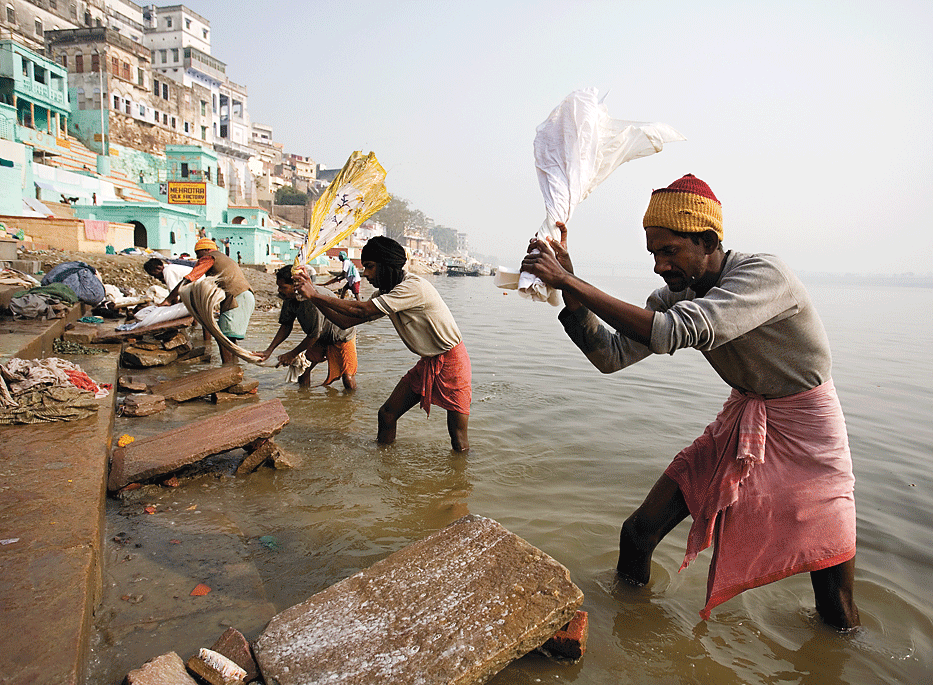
<point>68,234</point>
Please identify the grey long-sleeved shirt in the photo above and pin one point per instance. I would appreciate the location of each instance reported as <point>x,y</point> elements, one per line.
<point>757,328</point>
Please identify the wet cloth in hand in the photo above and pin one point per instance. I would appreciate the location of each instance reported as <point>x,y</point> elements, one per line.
<point>444,380</point>
<point>770,484</point>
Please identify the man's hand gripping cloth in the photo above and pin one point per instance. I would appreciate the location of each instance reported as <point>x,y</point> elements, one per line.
<point>770,483</point>
<point>444,380</point>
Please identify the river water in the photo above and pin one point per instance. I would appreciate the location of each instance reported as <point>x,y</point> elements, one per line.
<point>560,455</point>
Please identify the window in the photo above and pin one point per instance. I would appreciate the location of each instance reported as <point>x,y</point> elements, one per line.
<point>203,108</point>
<point>155,87</point>
<point>74,11</point>
<point>174,54</point>
<point>155,115</point>
<point>10,14</point>
<point>204,32</point>
<point>142,111</point>
<point>140,77</point>
<point>163,55</point>
<point>187,128</point>
<point>168,22</point>
<point>187,23</point>
<point>95,62</point>
<point>115,66</point>
<point>165,91</point>
<point>184,169</point>
<point>204,133</point>
<point>164,119</point>
<point>64,60</point>
<point>38,27</point>
<point>125,70</point>
<point>129,107</point>
<point>116,102</point>
<point>174,123</point>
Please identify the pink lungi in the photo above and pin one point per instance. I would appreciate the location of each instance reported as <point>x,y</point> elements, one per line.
<point>444,380</point>
<point>770,483</point>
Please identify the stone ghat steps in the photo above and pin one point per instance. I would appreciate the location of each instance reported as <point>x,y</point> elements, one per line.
<point>75,156</point>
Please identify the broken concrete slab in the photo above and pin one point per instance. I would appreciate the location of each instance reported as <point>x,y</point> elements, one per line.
<point>132,384</point>
<point>264,451</point>
<point>138,357</point>
<point>455,607</point>
<point>233,645</point>
<point>176,340</point>
<point>82,333</point>
<point>200,383</point>
<point>167,452</point>
<point>142,404</point>
<point>244,387</point>
<point>109,336</point>
<point>167,669</point>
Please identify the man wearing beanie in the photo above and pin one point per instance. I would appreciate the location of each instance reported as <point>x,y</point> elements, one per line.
<point>424,323</point>
<point>769,483</point>
<point>237,307</point>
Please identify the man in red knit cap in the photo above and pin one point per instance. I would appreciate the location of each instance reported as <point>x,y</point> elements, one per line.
<point>769,483</point>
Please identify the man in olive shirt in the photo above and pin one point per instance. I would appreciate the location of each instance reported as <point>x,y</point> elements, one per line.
<point>237,307</point>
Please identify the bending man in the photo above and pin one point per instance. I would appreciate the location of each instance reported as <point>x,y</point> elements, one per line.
<point>769,482</point>
<point>424,323</point>
<point>351,274</point>
<point>323,340</point>
<point>237,307</point>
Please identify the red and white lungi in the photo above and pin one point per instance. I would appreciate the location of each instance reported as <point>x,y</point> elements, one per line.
<point>769,483</point>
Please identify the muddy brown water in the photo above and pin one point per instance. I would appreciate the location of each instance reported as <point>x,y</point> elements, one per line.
<point>560,455</point>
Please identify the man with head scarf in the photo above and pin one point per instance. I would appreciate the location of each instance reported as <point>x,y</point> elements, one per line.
<point>237,307</point>
<point>351,274</point>
<point>769,482</point>
<point>424,323</point>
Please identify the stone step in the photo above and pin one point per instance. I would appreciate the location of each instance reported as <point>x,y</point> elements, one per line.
<point>455,607</point>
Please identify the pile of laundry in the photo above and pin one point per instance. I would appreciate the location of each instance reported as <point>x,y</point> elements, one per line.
<point>42,390</point>
<point>61,288</point>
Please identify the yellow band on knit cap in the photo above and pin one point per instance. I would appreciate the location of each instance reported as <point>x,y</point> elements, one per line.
<point>205,244</point>
<point>687,205</point>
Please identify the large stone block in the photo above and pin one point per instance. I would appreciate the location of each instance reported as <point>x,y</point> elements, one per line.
<point>167,452</point>
<point>455,607</point>
<point>200,383</point>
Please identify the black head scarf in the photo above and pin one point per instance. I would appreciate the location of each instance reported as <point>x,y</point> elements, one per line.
<point>390,258</point>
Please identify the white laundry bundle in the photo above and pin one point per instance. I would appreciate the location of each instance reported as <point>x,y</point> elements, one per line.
<point>576,148</point>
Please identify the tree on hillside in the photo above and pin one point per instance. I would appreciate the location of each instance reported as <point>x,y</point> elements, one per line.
<point>396,217</point>
<point>289,195</point>
<point>445,238</point>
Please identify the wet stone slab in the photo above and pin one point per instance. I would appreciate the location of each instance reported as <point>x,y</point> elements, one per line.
<point>168,452</point>
<point>455,607</point>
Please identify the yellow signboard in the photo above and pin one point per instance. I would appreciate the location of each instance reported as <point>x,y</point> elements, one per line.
<point>187,193</point>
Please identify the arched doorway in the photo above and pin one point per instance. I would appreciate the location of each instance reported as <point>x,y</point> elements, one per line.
<point>140,237</point>
<point>238,220</point>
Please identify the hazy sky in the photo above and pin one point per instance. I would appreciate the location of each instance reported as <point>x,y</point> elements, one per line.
<point>811,121</point>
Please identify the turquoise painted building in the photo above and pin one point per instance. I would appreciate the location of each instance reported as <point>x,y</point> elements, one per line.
<point>189,197</point>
